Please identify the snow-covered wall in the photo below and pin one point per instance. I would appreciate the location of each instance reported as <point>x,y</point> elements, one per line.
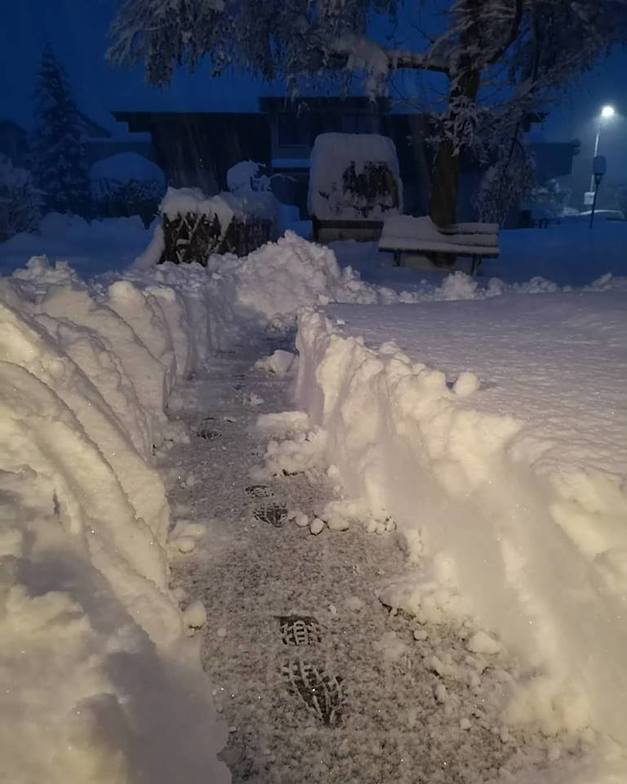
<point>540,558</point>
<point>98,682</point>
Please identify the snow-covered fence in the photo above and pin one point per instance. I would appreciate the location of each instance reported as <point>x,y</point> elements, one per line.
<point>194,226</point>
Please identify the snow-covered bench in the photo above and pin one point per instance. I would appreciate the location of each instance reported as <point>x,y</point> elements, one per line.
<point>406,234</point>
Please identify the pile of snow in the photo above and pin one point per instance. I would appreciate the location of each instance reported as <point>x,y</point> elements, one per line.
<point>97,679</point>
<point>333,157</point>
<point>508,483</point>
<point>109,173</point>
<point>91,247</point>
<point>232,297</point>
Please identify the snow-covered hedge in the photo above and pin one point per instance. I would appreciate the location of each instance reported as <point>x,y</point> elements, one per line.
<point>97,682</point>
<point>126,184</point>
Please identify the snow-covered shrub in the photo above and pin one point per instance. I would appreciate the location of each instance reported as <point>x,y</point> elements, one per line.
<point>19,200</point>
<point>354,177</point>
<point>508,180</point>
<point>246,177</point>
<point>127,184</point>
<point>548,201</point>
<point>124,199</point>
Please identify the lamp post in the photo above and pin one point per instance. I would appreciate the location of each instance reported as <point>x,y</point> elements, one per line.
<point>607,112</point>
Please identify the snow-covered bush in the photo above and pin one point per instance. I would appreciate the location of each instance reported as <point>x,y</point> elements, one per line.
<point>549,201</point>
<point>19,200</point>
<point>246,177</point>
<point>508,180</point>
<point>126,184</point>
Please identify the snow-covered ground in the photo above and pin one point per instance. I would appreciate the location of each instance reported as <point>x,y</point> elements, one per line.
<point>90,247</point>
<point>494,432</point>
<point>491,434</point>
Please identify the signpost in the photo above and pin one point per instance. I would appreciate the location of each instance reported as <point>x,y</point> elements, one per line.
<point>599,167</point>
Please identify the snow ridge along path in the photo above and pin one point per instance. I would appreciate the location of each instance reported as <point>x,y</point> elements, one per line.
<point>316,679</point>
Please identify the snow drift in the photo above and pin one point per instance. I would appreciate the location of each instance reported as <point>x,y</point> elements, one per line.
<point>522,527</point>
<point>95,669</point>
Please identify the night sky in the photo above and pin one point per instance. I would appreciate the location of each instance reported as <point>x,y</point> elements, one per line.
<point>77,31</point>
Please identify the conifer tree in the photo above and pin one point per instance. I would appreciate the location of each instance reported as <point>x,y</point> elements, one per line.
<point>59,163</point>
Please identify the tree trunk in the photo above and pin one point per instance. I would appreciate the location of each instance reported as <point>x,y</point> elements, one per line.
<point>447,163</point>
<point>445,185</point>
<point>465,84</point>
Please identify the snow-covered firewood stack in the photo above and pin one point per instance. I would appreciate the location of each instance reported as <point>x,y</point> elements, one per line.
<point>195,226</point>
<point>354,179</point>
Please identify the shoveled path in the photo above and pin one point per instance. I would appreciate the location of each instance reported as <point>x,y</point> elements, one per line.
<point>317,681</point>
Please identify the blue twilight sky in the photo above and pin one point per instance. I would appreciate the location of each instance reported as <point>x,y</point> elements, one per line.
<point>77,30</point>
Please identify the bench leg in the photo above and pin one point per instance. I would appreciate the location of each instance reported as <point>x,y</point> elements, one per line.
<point>474,268</point>
<point>397,258</point>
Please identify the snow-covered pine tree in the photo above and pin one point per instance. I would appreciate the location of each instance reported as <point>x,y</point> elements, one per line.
<point>503,58</point>
<point>58,150</point>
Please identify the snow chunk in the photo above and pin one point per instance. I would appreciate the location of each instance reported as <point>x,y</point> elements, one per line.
<point>466,384</point>
<point>195,615</point>
<point>280,363</point>
<point>481,642</point>
<point>317,526</point>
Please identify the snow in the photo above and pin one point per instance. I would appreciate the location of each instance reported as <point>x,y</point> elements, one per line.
<point>479,444</point>
<point>511,496</point>
<point>95,669</point>
<point>90,247</point>
<point>124,167</point>
<point>246,177</point>
<point>332,153</point>
<point>225,206</point>
<point>404,232</point>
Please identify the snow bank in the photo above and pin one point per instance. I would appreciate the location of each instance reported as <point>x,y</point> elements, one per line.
<point>333,156</point>
<point>233,298</point>
<point>91,247</point>
<point>523,519</point>
<point>97,682</point>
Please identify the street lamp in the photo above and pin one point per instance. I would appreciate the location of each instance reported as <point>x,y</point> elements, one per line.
<point>607,112</point>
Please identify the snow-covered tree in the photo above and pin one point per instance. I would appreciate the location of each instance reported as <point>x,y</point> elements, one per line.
<point>59,163</point>
<point>19,200</point>
<point>502,58</point>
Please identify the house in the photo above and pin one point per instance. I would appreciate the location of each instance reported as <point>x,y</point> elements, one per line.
<point>198,148</point>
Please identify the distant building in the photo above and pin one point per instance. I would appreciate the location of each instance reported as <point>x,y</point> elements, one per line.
<point>196,149</point>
